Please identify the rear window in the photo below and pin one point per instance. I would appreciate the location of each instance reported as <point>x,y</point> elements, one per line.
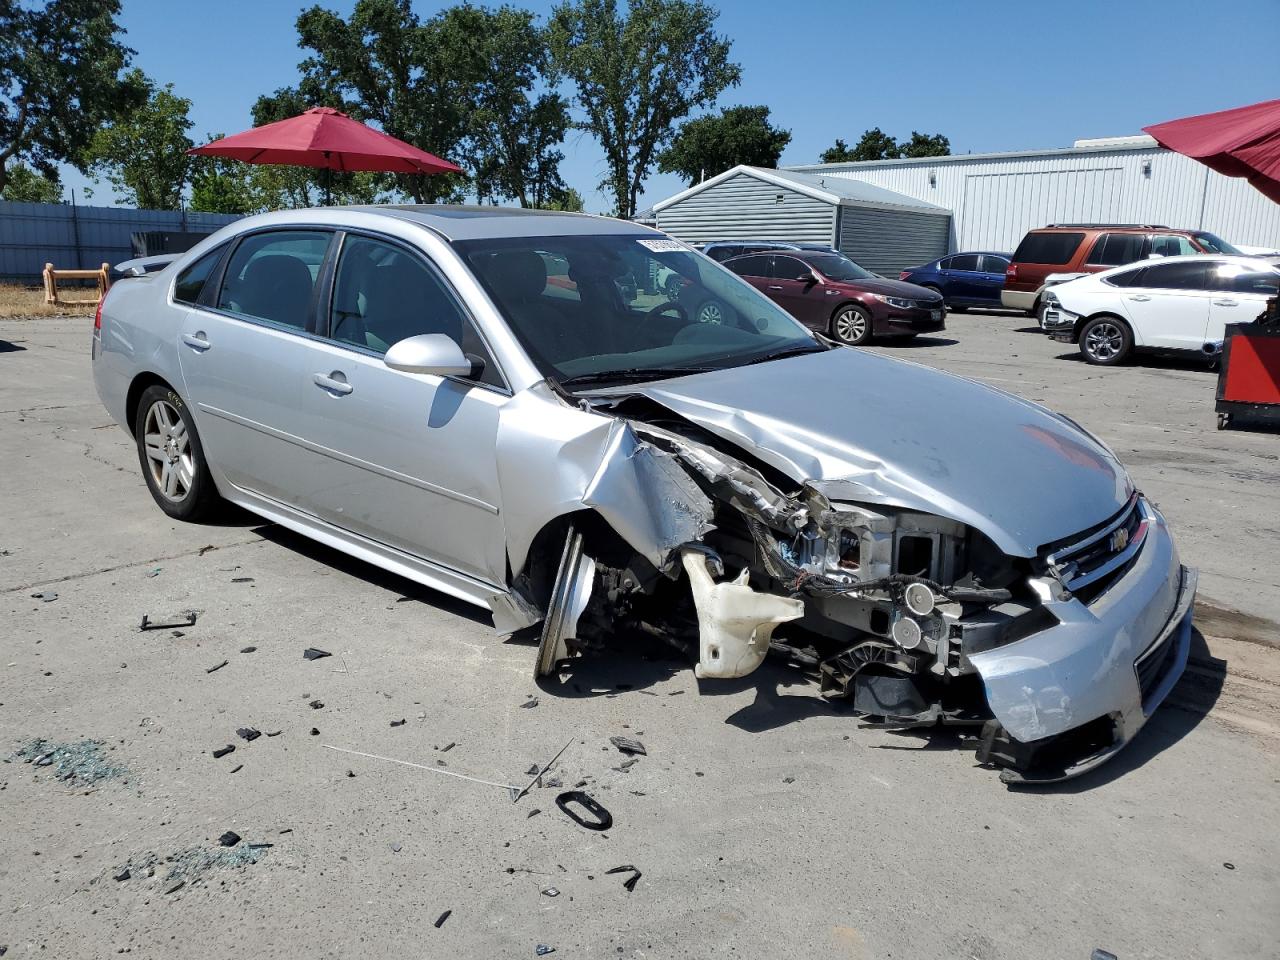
<point>186,289</point>
<point>1117,249</point>
<point>1048,247</point>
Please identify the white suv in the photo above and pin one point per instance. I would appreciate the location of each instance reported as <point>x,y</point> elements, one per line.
<point>1175,303</point>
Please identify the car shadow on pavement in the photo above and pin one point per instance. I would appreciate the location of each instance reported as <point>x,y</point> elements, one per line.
<point>1191,362</point>
<point>8,346</point>
<point>610,673</point>
<point>911,343</point>
<point>1187,704</point>
<point>409,591</point>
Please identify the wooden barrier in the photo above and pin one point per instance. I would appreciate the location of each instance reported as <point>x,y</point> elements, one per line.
<point>52,276</point>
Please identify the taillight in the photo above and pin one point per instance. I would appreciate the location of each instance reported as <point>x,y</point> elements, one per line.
<point>1011,272</point>
<point>97,317</point>
<point>904,274</point>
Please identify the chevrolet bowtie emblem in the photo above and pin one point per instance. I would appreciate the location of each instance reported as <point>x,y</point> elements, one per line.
<point>1119,540</point>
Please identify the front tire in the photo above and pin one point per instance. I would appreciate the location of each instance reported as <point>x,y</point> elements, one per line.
<point>171,456</point>
<point>1106,341</point>
<point>851,325</point>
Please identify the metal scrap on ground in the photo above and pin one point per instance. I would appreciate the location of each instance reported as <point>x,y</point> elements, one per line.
<point>188,620</point>
<point>312,653</point>
<point>628,745</point>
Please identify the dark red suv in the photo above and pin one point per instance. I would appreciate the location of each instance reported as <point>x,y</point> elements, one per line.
<point>830,293</point>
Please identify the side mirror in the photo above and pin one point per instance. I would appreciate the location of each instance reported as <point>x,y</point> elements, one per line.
<point>808,278</point>
<point>432,353</point>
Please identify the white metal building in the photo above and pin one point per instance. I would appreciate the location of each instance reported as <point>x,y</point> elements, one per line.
<point>996,197</point>
<point>882,230</point>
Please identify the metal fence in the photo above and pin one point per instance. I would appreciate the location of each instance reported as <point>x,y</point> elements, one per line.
<point>75,237</point>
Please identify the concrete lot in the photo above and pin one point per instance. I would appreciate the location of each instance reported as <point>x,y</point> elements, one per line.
<point>765,822</point>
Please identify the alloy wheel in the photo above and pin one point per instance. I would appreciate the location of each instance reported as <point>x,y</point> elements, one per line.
<point>1104,341</point>
<point>169,454</point>
<point>851,326</point>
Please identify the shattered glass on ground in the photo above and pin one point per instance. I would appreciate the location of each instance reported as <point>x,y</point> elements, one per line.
<point>83,762</point>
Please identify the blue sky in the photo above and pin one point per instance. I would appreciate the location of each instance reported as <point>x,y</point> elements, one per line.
<point>990,75</point>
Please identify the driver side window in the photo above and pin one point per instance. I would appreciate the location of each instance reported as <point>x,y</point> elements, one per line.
<point>383,293</point>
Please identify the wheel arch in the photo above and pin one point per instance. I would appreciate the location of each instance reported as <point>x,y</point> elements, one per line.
<point>137,387</point>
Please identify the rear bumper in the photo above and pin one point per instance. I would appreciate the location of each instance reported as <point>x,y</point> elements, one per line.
<point>1108,663</point>
<point>1018,299</point>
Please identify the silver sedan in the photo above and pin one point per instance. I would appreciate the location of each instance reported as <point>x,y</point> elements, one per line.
<point>582,424</point>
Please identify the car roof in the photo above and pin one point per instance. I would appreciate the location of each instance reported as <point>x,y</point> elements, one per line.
<point>462,222</point>
<point>1257,263</point>
<point>1111,228</point>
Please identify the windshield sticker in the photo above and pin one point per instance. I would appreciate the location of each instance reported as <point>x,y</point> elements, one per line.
<point>663,246</point>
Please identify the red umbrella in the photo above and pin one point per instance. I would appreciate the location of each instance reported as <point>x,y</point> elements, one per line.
<point>1244,142</point>
<point>326,138</point>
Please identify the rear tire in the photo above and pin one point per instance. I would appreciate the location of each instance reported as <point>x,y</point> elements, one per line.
<point>171,456</point>
<point>851,325</point>
<point>1106,341</point>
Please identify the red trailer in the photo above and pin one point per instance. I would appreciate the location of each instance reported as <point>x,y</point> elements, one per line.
<point>1249,377</point>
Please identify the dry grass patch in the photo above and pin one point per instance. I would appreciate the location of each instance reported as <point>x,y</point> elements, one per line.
<point>17,300</point>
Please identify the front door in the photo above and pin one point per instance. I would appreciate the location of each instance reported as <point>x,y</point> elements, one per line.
<point>1240,293</point>
<point>1170,306</point>
<point>795,288</point>
<point>404,459</point>
<point>241,350</point>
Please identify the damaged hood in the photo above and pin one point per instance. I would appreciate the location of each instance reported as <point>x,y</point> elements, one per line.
<point>870,429</point>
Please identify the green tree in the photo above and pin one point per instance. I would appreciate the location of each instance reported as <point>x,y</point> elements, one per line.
<point>710,145</point>
<point>636,75</point>
<point>60,79</point>
<point>219,185</point>
<point>513,127</point>
<point>26,186</point>
<point>144,153</point>
<point>878,145</point>
<point>384,65</point>
<point>925,145</point>
<point>569,201</point>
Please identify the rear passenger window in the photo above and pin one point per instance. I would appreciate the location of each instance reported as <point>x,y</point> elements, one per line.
<point>1117,249</point>
<point>994,264</point>
<point>964,261</point>
<point>1128,278</point>
<point>750,266</point>
<point>789,268</point>
<point>186,289</point>
<point>721,254</point>
<point>271,276</point>
<point>1052,248</point>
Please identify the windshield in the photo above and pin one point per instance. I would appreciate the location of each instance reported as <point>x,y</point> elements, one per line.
<point>591,308</point>
<point>1215,244</point>
<point>836,267</point>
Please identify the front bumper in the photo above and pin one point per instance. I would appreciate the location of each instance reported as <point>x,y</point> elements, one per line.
<point>1110,662</point>
<point>898,321</point>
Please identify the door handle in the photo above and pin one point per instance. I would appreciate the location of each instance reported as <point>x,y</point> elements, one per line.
<point>196,341</point>
<point>332,383</point>
<point>1225,303</point>
<point>1140,297</point>
<point>773,287</point>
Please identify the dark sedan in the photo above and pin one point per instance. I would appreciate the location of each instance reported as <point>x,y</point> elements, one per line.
<point>963,279</point>
<point>830,293</point>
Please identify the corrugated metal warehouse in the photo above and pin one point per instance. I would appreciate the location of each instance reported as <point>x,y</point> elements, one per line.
<point>880,229</point>
<point>996,197</point>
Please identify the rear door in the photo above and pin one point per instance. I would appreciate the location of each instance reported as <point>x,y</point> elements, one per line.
<point>755,270</point>
<point>1240,293</point>
<point>1039,254</point>
<point>991,278</point>
<point>1169,307</point>
<point>242,350</point>
<point>1115,250</point>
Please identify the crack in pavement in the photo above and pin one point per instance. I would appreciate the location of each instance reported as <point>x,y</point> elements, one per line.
<point>125,566</point>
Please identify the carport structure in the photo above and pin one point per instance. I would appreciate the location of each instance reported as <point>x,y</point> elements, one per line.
<point>882,230</point>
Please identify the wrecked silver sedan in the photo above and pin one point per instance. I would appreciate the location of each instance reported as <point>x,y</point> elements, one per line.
<point>582,424</point>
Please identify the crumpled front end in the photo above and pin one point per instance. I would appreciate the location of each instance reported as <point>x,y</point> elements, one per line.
<point>1053,660</point>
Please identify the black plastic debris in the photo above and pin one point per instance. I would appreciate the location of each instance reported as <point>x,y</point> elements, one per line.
<point>1229,865</point>
<point>47,596</point>
<point>1100,954</point>
<point>237,768</point>
<point>123,875</point>
<point>217,666</point>
<point>205,549</point>
<point>551,892</point>
<point>248,649</point>
<point>631,881</point>
<point>242,579</point>
<point>533,770</point>
<point>529,704</point>
<point>316,704</point>
<point>315,732</point>
<point>542,950</point>
<point>603,818</point>
<point>788,779</point>
<point>627,745</point>
<point>248,733</point>
<point>442,918</point>
<point>398,723</point>
<point>188,620</point>
<point>311,653</point>
<point>229,839</point>
<point>449,746</point>
<point>223,751</point>
<point>351,774</point>
<point>532,813</point>
<point>175,886</point>
<point>274,733</point>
